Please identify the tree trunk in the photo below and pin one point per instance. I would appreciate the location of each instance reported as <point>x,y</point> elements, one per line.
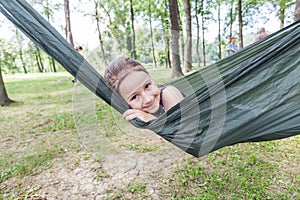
<point>240,17</point>
<point>53,65</point>
<point>151,35</point>
<point>181,36</point>
<point>133,53</point>
<point>22,61</point>
<point>168,64</point>
<point>152,45</point>
<point>97,16</point>
<point>4,99</point>
<point>297,11</point>
<point>231,19</point>
<point>173,7</point>
<point>39,61</point>
<point>281,17</point>
<point>198,34</point>
<point>203,34</point>
<point>50,59</point>
<point>20,40</point>
<point>167,48</point>
<point>219,31</point>
<point>68,30</point>
<point>165,27</point>
<point>128,39</point>
<point>51,62</point>
<point>188,43</point>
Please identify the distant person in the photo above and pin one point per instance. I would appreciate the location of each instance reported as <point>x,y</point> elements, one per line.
<point>262,34</point>
<point>231,47</point>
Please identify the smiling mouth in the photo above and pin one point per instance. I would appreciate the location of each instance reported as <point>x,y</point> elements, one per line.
<point>151,106</point>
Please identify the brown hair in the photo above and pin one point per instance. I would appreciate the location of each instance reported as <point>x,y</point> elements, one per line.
<point>119,69</point>
<point>79,48</point>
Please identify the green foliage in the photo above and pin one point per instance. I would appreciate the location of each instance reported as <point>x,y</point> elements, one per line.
<point>8,62</point>
<point>136,187</point>
<point>161,56</point>
<point>117,34</point>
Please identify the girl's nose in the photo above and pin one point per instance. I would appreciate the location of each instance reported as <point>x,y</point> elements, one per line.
<point>146,98</point>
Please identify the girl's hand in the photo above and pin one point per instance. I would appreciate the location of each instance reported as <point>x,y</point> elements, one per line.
<point>133,113</point>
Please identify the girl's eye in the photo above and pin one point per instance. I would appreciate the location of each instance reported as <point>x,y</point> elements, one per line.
<point>147,85</point>
<point>134,97</point>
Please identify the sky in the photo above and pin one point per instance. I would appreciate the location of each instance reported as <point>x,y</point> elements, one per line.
<point>82,26</point>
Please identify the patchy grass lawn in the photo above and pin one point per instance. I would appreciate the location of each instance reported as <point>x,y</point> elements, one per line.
<point>60,142</point>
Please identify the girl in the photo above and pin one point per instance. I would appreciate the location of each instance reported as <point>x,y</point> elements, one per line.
<point>133,83</point>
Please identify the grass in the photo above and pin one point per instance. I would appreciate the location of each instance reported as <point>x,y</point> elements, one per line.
<point>44,129</point>
<point>26,165</point>
<point>243,171</point>
<point>38,128</point>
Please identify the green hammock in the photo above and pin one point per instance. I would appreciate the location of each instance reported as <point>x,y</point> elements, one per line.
<point>251,96</point>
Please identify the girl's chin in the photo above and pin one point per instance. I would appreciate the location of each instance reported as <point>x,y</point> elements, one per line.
<point>154,107</point>
<point>154,110</point>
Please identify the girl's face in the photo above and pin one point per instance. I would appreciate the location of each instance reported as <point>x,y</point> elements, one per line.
<point>140,92</point>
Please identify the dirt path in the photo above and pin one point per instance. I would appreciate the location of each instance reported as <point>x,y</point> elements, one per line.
<point>84,172</point>
<point>77,175</point>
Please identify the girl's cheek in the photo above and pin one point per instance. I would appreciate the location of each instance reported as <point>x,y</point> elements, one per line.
<point>157,91</point>
<point>134,105</point>
<point>130,103</point>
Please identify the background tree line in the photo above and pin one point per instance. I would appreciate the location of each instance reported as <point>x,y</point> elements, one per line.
<point>173,33</point>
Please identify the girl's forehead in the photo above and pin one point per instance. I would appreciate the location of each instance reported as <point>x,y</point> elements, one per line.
<point>133,82</point>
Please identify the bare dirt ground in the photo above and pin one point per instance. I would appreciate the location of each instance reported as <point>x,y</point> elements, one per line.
<point>68,180</point>
<point>76,173</point>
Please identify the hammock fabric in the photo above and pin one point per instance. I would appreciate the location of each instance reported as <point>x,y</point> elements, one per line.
<point>251,96</point>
